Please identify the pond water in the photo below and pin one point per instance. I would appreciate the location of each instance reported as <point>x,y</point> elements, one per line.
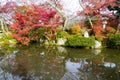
<point>37,62</point>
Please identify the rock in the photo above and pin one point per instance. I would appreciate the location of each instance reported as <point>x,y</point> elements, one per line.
<point>61,41</point>
<point>97,44</point>
<point>86,34</point>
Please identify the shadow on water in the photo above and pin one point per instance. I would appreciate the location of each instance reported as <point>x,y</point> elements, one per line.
<point>59,63</point>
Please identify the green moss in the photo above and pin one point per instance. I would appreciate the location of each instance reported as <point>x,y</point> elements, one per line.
<point>80,41</point>
<point>63,34</point>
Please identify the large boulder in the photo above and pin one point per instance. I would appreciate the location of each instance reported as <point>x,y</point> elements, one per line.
<point>61,41</point>
<point>86,34</point>
<point>97,44</point>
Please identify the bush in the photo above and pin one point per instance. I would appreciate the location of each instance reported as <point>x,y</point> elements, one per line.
<point>75,29</point>
<point>99,38</point>
<point>80,41</point>
<point>110,30</point>
<point>7,39</point>
<point>113,41</point>
<point>63,34</point>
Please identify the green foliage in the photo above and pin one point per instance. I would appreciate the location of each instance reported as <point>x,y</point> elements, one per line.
<point>71,24</point>
<point>99,38</point>
<point>110,35</point>
<point>113,41</point>
<point>80,41</point>
<point>6,39</point>
<point>63,34</point>
<point>110,29</point>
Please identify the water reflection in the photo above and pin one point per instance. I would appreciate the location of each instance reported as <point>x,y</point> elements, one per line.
<point>74,69</point>
<point>59,63</point>
<point>109,64</point>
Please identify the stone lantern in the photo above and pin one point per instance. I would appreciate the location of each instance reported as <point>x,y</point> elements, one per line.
<point>104,22</point>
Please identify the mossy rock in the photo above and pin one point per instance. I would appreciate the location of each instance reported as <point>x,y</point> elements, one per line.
<point>80,41</point>
<point>63,34</point>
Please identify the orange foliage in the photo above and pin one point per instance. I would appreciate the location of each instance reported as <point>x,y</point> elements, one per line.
<point>110,30</point>
<point>98,30</point>
<point>75,29</point>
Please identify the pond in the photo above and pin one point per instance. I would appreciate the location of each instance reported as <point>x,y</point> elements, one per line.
<point>38,62</point>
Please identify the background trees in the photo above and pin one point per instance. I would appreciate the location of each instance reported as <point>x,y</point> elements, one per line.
<point>98,14</point>
<point>29,20</point>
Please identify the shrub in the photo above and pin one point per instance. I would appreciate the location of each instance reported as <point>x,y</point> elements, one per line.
<point>63,34</point>
<point>99,38</point>
<point>75,29</point>
<point>6,39</point>
<point>80,41</point>
<point>113,41</point>
<point>110,30</point>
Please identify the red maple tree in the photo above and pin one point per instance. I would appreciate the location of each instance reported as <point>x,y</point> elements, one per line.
<point>35,23</point>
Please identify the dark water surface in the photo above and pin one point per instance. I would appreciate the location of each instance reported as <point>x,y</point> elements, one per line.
<point>59,63</point>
